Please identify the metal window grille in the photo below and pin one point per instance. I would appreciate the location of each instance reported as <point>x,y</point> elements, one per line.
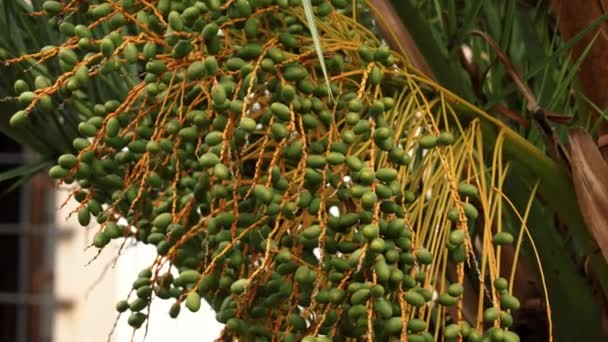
<point>26,249</point>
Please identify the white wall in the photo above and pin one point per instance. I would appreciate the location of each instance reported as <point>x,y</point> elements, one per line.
<point>93,315</point>
<point>200,326</point>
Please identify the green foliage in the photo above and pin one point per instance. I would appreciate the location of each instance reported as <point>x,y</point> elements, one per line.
<point>50,128</point>
<point>528,36</point>
<point>308,186</point>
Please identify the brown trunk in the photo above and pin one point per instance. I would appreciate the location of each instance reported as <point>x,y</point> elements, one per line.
<point>573,17</point>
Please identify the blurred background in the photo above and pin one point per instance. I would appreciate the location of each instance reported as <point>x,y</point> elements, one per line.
<point>51,289</point>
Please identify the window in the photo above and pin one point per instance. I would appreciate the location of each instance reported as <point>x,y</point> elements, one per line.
<point>26,254</point>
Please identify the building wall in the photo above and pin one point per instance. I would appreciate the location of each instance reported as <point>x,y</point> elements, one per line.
<point>92,315</point>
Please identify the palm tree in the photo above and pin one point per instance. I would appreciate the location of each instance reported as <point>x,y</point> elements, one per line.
<point>345,189</point>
